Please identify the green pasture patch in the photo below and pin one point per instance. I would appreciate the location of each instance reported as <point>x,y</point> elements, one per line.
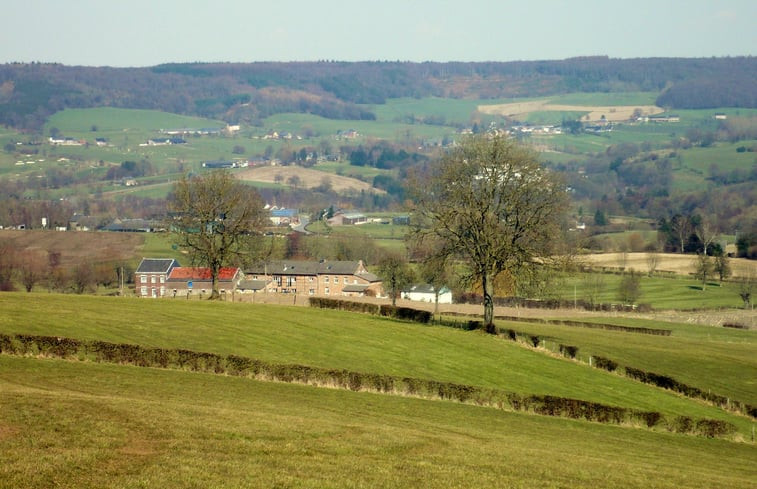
<point>334,339</point>
<point>110,119</point>
<point>393,131</point>
<point>720,360</point>
<point>681,293</point>
<point>84,425</point>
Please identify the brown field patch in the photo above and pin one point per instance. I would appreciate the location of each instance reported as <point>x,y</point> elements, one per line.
<point>309,178</point>
<point>76,246</point>
<point>667,262</point>
<point>613,113</point>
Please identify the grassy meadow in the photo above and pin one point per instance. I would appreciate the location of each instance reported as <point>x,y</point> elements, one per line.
<point>82,424</point>
<point>89,426</point>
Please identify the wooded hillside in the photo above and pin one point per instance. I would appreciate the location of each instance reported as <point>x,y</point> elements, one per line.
<point>237,92</point>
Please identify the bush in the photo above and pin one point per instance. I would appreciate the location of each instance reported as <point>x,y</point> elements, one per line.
<point>605,363</point>
<point>405,313</point>
<point>569,351</point>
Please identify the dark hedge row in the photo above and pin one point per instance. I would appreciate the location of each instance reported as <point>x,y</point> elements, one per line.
<point>121,353</point>
<point>670,383</point>
<point>604,363</point>
<point>342,305</point>
<point>471,298</point>
<point>582,324</point>
<point>403,313</point>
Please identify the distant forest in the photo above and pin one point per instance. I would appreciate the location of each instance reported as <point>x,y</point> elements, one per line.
<point>249,92</point>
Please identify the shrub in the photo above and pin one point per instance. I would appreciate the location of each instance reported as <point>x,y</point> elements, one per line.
<point>569,351</point>
<point>605,363</point>
<point>405,313</point>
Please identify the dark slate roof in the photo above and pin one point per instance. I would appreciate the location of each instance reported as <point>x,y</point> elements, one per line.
<point>296,267</point>
<point>156,265</point>
<point>368,276</point>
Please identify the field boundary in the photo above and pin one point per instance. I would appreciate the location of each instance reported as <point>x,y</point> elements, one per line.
<point>188,360</point>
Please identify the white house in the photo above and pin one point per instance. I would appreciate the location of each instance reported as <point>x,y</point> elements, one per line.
<point>425,293</point>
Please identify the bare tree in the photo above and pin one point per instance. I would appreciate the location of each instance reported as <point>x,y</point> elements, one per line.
<point>746,290</point>
<point>215,218</point>
<point>703,269</point>
<point>722,266</point>
<point>629,289</point>
<point>681,228</point>
<point>434,270</point>
<point>7,266</point>
<point>395,272</point>
<point>32,266</point>
<point>705,231</point>
<point>490,203</point>
<point>653,261</point>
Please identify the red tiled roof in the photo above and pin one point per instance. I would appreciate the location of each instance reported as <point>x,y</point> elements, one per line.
<point>201,273</point>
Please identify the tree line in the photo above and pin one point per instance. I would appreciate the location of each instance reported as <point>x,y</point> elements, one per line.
<point>248,92</point>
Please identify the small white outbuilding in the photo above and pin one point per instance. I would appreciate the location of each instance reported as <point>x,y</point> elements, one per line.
<point>426,293</point>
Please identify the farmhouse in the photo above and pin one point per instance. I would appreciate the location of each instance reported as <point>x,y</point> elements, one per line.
<point>152,275</point>
<point>426,293</point>
<point>346,278</point>
<point>183,281</point>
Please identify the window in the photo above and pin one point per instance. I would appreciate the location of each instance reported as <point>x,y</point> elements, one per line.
<point>326,291</point>
<point>153,278</point>
<point>162,291</point>
<point>325,279</point>
<point>311,292</point>
<point>162,279</point>
<point>311,278</point>
<point>143,291</point>
<point>143,279</point>
<point>336,280</point>
<point>291,281</point>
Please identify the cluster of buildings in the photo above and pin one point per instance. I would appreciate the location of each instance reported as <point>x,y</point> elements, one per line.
<point>164,277</point>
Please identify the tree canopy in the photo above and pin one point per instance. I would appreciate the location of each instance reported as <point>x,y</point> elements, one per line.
<point>491,205</point>
<point>215,218</point>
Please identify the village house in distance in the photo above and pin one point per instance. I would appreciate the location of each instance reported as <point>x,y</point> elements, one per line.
<point>164,277</point>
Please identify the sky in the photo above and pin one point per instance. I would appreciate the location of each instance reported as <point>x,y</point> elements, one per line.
<point>140,33</point>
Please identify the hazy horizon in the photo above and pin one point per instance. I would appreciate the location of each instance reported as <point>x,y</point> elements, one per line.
<point>145,33</point>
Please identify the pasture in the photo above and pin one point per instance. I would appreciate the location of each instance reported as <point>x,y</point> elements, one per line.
<point>95,424</point>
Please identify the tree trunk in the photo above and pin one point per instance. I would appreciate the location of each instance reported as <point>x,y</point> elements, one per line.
<point>214,295</point>
<point>487,282</point>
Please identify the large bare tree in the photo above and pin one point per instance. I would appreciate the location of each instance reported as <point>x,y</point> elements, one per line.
<point>490,204</point>
<point>215,218</point>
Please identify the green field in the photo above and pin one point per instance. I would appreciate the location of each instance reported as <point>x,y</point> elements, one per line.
<point>91,426</point>
<point>95,425</point>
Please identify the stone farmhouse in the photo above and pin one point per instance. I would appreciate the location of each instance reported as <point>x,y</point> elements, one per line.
<point>334,278</point>
<point>164,277</point>
<point>152,275</point>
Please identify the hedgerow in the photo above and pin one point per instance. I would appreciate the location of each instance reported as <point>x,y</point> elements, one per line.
<point>129,354</point>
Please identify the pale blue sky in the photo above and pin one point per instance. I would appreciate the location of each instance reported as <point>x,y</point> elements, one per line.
<point>150,32</point>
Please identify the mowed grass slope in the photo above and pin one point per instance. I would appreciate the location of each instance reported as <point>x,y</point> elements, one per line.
<point>722,360</point>
<point>333,339</point>
<point>73,424</point>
